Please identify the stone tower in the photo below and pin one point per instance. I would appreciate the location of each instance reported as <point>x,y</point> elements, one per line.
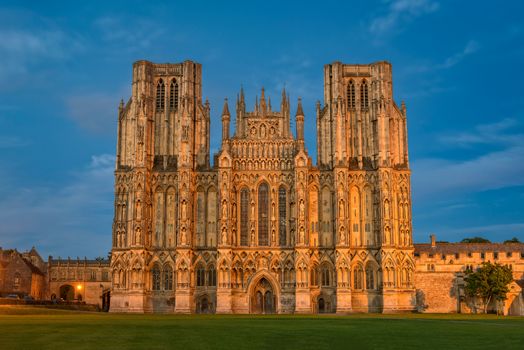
<point>263,230</point>
<point>362,154</point>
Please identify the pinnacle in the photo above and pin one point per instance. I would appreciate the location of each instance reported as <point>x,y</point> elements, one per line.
<point>300,111</point>
<point>225,111</point>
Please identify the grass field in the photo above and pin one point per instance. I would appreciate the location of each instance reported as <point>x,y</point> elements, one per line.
<point>34,328</point>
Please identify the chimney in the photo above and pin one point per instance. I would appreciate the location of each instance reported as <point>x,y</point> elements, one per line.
<point>433,240</point>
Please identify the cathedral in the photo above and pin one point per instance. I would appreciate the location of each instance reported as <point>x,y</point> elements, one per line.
<point>262,229</point>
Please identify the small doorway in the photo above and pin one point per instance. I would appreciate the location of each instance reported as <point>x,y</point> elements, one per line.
<point>321,306</point>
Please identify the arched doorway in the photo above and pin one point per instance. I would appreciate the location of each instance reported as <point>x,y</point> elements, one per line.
<point>204,305</point>
<point>321,305</point>
<point>263,298</point>
<point>67,292</point>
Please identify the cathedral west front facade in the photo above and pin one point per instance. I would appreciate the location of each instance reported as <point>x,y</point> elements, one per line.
<point>261,229</point>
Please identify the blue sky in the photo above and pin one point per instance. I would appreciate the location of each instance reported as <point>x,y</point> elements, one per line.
<point>65,65</point>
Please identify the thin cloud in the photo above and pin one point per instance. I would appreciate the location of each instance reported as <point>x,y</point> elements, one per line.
<point>75,217</point>
<point>492,133</point>
<point>94,112</point>
<point>399,13</point>
<point>471,47</point>
<point>492,170</point>
<point>22,51</point>
<point>117,30</point>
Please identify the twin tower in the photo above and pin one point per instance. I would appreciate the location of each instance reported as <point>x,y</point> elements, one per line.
<point>263,230</point>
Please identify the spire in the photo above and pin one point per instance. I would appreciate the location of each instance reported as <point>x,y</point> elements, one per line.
<point>299,107</point>
<point>225,110</point>
<point>269,104</point>
<point>241,94</point>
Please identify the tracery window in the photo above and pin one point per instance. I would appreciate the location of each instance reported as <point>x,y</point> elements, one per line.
<point>325,280</point>
<point>364,102</point>
<point>282,215</point>
<point>160,95</point>
<point>351,94</point>
<point>244,210</point>
<point>155,276</point>
<point>212,276</point>
<point>173,95</point>
<point>200,276</point>
<point>263,208</point>
<point>168,278</point>
<point>357,277</point>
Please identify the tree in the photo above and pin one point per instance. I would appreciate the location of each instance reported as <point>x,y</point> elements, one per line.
<point>489,282</point>
<point>513,240</point>
<point>475,239</point>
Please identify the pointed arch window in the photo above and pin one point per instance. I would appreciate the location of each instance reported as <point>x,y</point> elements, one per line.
<point>370,278</point>
<point>155,276</point>
<point>314,276</point>
<point>200,276</point>
<point>212,276</point>
<point>168,278</point>
<point>351,94</point>
<point>160,95</point>
<point>282,215</point>
<point>357,277</point>
<point>364,101</point>
<point>325,276</point>
<point>263,219</point>
<point>173,95</point>
<point>244,210</point>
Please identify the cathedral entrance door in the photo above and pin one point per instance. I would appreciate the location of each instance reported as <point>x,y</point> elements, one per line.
<point>263,299</point>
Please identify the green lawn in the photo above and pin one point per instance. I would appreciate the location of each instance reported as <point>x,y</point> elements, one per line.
<point>35,328</point>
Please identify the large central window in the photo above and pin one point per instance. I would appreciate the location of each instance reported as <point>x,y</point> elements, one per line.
<point>263,208</point>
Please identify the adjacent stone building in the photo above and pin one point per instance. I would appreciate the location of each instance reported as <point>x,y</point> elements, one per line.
<point>263,230</point>
<point>22,273</point>
<point>440,271</point>
<point>79,280</point>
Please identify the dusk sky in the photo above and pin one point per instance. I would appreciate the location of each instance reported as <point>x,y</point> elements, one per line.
<point>64,66</point>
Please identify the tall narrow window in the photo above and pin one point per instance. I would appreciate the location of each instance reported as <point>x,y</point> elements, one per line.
<point>364,95</point>
<point>357,278</point>
<point>200,276</point>
<point>263,218</point>
<point>282,215</point>
<point>173,95</point>
<point>351,94</point>
<point>314,276</point>
<point>244,210</point>
<point>212,276</point>
<point>155,275</point>
<point>168,278</point>
<point>160,95</point>
<point>325,276</point>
